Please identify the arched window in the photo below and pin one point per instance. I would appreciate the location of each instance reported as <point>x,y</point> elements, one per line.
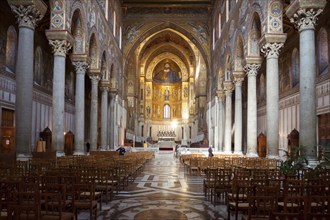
<point>213,43</point>
<point>219,23</point>
<point>167,111</point>
<point>114,23</point>
<point>11,48</point>
<point>295,67</point>
<point>323,54</point>
<point>37,66</point>
<point>120,37</point>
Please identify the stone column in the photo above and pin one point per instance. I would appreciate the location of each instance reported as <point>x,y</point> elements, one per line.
<point>112,119</point>
<point>61,42</point>
<point>104,85</point>
<point>271,51</point>
<point>79,139</point>
<point>252,71</point>
<point>95,78</point>
<point>228,123</point>
<point>27,17</point>
<point>221,96</point>
<point>116,125</point>
<point>304,15</point>
<point>238,79</point>
<point>216,124</point>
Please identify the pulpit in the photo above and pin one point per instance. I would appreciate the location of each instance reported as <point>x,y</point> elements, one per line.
<point>69,143</point>
<point>262,145</point>
<point>293,140</point>
<point>46,136</point>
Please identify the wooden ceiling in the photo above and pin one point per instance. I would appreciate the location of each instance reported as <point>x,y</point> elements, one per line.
<point>166,4</point>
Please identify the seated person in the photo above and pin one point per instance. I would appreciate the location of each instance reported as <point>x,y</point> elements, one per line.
<point>121,150</point>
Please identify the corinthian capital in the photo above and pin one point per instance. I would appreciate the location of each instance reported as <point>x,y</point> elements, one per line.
<point>271,50</point>
<point>80,66</point>
<point>60,47</point>
<point>251,69</point>
<point>305,18</point>
<point>27,16</point>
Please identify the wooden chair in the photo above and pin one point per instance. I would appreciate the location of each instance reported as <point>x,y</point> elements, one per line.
<point>262,202</point>
<point>294,192</point>
<point>84,198</point>
<point>26,205</point>
<point>209,181</point>
<point>52,207</point>
<point>286,216</point>
<point>238,199</point>
<point>222,184</point>
<point>104,183</point>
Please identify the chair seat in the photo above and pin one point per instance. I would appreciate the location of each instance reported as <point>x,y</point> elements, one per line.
<point>84,204</point>
<point>62,216</point>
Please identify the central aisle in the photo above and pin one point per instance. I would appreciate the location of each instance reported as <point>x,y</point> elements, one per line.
<point>163,191</point>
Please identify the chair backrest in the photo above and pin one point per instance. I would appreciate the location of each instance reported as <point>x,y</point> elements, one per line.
<point>286,216</point>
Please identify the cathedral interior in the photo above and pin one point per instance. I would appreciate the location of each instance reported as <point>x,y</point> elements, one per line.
<point>168,81</point>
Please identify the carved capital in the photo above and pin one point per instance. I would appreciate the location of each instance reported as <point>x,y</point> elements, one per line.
<point>251,69</point>
<point>104,88</point>
<point>27,16</point>
<point>228,86</point>
<point>238,81</point>
<point>305,18</point>
<point>271,50</point>
<point>105,84</point>
<point>60,47</point>
<point>80,66</point>
<point>221,95</point>
<point>95,78</point>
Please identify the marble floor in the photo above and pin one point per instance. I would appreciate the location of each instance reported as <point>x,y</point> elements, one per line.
<point>162,192</point>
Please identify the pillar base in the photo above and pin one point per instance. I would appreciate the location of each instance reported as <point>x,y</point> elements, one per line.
<point>252,155</point>
<point>78,153</point>
<point>276,157</point>
<point>60,153</point>
<point>312,163</point>
<point>227,152</point>
<point>23,157</point>
<point>238,152</point>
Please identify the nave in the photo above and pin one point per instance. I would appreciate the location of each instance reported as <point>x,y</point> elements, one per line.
<point>162,191</point>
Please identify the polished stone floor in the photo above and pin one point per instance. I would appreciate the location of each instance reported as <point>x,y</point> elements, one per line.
<point>162,192</point>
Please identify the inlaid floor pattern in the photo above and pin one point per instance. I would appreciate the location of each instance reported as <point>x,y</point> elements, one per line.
<point>161,192</point>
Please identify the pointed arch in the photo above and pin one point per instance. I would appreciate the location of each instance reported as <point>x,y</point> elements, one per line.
<point>93,52</point>
<point>254,36</point>
<point>228,67</point>
<point>104,67</point>
<point>239,53</point>
<point>323,51</point>
<point>11,48</point>
<point>295,70</point>
<point>175,27</point>
<point>38,71</point>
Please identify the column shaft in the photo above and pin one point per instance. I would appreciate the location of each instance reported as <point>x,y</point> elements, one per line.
<point>80,107</point>
<point>104,116</point>
<point>58,103</point>
<point>252,70</point>
<point>307,120</point>
<point>221,123</point>
<point>112,120</point>
<point>94,99</point>
<point>24,91</point>
<point>271,51</point>
<point>238,118</point>
<point>228,122</point>
<point>252,116</point>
